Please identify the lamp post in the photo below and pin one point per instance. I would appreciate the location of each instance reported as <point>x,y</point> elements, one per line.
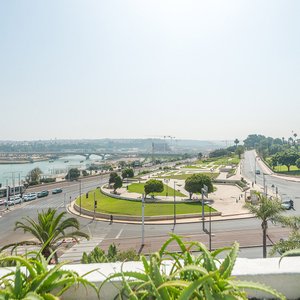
<point>209,227</point>
<point>255,170</point>
<point>79,196</point>
<point>174,204</point>
<point>143,221</point>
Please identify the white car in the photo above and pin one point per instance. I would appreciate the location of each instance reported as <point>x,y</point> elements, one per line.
<point>14,200</point>
<point>29,197</point>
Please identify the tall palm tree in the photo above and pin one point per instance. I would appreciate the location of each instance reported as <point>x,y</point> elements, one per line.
<point>266,210</point>
<point>236,141</point>
<point>49,231</point>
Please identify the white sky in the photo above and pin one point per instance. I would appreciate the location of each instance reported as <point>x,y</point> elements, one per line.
<point>190,69</point>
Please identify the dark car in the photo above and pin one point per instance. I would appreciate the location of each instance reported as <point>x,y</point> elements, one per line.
<point>287,204</point>
<point>57,191</point>
<point>42,194</point>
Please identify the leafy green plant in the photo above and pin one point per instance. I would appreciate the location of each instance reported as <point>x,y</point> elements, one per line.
<point>31,279</point>
<point>183,276</point>
<point>293,241</point>
<point>113,254</point>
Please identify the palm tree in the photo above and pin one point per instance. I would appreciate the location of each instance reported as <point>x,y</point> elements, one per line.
<point>266,210</point>
<point>236,141</point>
<point>49,231</point>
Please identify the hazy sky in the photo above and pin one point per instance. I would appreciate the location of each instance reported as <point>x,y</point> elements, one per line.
<point>190,69</point>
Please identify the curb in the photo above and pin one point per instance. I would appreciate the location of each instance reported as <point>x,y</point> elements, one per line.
<point>71,210</point>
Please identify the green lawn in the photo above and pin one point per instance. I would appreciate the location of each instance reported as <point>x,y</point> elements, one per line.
<point>139,188</point>
<point>185,176</point>
<point>284,170</point>
<point>111,205</point>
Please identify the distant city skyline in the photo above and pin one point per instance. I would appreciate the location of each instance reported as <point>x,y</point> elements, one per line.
<point>202,70</point>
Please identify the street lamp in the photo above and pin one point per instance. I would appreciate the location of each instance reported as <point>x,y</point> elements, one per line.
<point>255,170</point>
<point>209,227</point>
<point>79,196</point>
<point>174,204</point>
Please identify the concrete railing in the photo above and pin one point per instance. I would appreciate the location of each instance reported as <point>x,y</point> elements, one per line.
<point>285,277</point>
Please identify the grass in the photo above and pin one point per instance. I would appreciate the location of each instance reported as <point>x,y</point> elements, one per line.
<point>185,176</point>
<point>111,205</point>
<point>139,188</point>
<point>284,169</point>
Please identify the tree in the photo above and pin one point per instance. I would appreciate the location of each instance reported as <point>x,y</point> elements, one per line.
<point>239,151</point>
<point>195,183</point>
<point>298,163</point>
<point>127,173</point>
<point>112,177</point>
<point>73,174</point>
<point>49,230</point>
<point>153,186</point>
<point>266,210</point>
<point>200,155</point>
<point>236,141</point>
<point>288,158</point>
<point>34,175</point>
<point>219,153</point>
<point>117,183</point>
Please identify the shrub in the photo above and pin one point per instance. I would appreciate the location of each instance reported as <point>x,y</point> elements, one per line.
<point>190,276</point>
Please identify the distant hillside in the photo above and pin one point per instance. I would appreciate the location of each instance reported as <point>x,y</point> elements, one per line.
<point>112,145</point>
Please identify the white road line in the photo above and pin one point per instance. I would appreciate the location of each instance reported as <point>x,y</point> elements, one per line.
<point>119,234</point>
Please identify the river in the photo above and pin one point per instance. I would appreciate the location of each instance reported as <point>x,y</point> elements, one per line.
<point>12,172</point>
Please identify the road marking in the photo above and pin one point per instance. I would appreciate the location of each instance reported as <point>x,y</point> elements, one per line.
<point>119,234</point>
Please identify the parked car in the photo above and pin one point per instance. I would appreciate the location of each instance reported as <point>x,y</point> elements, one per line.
<point>29,197</point>
<point>57,191</point>
<point>3,201</point>
<point>14,200</point>
<point>257,172</point>
<point>289,204</point>
<point>42,194</point>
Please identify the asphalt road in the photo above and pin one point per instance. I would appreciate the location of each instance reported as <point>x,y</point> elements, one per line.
<point>246,231</point>
<point>287,189</point>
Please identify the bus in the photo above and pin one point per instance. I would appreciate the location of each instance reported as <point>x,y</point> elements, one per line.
<point>18,189</point>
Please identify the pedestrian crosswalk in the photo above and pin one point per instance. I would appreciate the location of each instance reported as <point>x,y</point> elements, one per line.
<point>74,254</point>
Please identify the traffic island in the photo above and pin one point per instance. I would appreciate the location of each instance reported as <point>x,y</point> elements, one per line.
<point>130,211</point>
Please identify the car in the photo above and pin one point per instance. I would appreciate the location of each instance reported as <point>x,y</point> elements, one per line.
<point>29,197</point>
<point>257,172</point>
<point>14,200</point>
<point>25,197</point>
<point>289,204</point>
<point>42,194</point>
<point>3,201</point>
<point>57,191</point>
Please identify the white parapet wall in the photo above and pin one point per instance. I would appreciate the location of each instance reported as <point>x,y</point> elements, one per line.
<point>285,277</point>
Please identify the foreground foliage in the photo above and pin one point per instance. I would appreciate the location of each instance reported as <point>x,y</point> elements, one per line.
<point>184,276</point>
<point>31,279</point>
<point>293,240</point>
<point>113,254</point>
<point>49,231</point>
